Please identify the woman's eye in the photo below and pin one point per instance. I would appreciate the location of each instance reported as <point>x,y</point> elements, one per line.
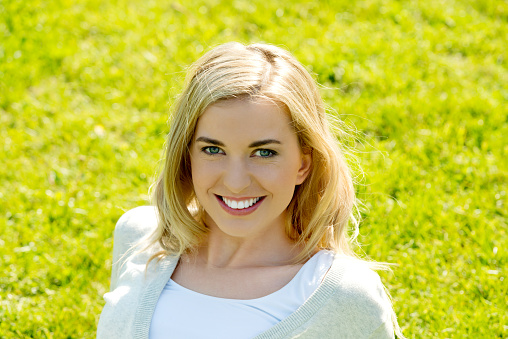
<point>212,150</point>
<point>265,153</point>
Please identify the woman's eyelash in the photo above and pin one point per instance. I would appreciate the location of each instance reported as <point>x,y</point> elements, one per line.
<point>265,153</point>
<point>212,150</point>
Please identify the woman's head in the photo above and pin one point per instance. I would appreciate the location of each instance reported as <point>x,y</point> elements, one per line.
<point>318,213</point>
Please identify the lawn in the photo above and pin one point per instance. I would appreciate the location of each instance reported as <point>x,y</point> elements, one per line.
<point>85,91</point>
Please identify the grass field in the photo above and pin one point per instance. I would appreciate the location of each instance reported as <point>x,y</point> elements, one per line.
<point>85,90</point>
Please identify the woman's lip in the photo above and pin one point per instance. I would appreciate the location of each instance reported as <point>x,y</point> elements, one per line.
<point>239,212</point>
<point>238,199</point>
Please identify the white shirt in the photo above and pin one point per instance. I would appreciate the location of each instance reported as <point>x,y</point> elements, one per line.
<point>178,307</point>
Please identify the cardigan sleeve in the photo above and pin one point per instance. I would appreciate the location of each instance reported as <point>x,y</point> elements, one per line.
<point>372,304</point>
<point>384,331</point>
<point>129,230</point>
<point>128,278</point>
<point>361,306</point>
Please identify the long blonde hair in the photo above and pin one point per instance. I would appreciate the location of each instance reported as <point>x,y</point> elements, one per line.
<point>322,205</point>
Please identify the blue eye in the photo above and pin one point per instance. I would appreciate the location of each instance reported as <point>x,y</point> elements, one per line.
<point>265,153</point>
<point>212,150</point>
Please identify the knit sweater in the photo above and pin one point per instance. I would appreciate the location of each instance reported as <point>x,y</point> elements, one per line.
<point>349,303</point>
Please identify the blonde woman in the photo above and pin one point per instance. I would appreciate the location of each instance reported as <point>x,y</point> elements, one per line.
<point>248,235</point>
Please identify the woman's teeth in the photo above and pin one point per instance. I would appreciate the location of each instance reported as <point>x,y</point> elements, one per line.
<point>238,205</point>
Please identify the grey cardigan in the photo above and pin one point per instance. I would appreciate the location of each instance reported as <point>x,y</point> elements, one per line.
<point>349,303</point>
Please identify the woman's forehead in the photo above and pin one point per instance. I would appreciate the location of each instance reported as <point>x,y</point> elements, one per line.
<point>239,118</point>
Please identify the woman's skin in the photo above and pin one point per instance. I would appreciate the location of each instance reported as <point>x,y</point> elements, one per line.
<point>244,151</point>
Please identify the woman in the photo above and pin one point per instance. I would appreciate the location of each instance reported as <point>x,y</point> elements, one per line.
<point>248,237</point>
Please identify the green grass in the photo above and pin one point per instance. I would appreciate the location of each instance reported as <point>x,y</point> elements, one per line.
<point>85,90</point>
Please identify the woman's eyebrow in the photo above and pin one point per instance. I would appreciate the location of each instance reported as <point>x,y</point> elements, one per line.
<point>264,142</point>
<point>210,141</point>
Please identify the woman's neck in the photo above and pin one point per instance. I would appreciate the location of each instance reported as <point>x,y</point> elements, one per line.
<point>272,248</point>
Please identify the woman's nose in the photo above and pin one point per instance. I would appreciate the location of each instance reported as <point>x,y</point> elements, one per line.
<point>237,177</point>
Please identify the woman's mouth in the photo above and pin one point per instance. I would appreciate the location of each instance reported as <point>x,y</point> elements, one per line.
<point>239,207</point>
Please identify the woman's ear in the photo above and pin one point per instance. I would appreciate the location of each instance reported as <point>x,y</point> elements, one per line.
<point>305,167</point>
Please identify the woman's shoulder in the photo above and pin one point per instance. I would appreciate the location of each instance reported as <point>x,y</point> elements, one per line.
<point>135,224</point>
<point>359,285</point>
<point>357,276</point>
<point>132,227</point>
<point>355,300</point>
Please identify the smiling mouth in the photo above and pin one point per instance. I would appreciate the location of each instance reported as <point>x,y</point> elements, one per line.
<point>240,205</point>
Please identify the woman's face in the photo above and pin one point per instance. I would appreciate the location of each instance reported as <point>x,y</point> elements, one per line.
<point>246,162</point>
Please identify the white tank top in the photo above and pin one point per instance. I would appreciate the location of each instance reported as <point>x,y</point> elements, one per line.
<point>184,314</point>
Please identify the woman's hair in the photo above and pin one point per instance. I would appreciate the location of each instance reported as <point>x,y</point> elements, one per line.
<point>322,205</point>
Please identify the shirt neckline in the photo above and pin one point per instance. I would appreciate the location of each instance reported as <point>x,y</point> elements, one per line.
<point>268,296</point>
